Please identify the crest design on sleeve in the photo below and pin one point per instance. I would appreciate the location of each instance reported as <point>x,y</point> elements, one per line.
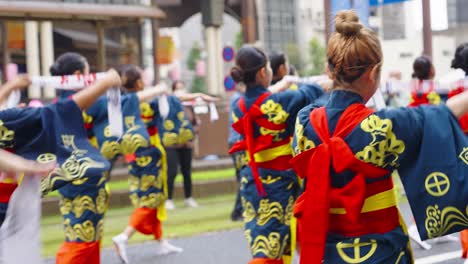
<point>439,221</point>
<point>6,136</point>
<point>74,167</point>
<point>464,155</point>
<point>385,147</point>
<point>437,184</point>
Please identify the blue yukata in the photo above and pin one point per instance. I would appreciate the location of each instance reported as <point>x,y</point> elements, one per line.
<point>347,153</point>
<point>146,168</point>
<point>175,129</point>
<point>269,187</point>
<point>56,133</point>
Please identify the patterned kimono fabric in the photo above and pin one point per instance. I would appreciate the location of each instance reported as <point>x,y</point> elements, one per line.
<point>146,168</point>
<point>269,187</point>
<point>346,153</point>
<point>173,130</point>
<point>56,133</point>
<point>433,98</point>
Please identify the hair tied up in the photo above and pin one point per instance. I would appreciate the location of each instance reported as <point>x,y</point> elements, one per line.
<point>347,23</point>
<point>54,69</point>
<point>237,74</point>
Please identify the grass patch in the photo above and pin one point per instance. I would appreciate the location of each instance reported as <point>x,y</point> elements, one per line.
<point>199,176</point>
<point>212,215</point>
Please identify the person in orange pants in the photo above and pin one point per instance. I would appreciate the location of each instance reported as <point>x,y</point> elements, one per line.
<point>147,169</point>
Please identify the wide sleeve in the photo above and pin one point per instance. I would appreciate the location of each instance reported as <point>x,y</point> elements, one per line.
<point>293,101</point>
<point>65,140</point>
<point>436,179</point>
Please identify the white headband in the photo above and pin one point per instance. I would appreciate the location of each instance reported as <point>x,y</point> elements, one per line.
<point>67,82</point>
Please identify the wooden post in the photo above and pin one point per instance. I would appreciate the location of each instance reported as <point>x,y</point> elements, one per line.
<point>31,31</point>
<point>155,24</point>
<point>5,52</point>
<point>427,29</point>
<point>327,15</point>
<point>249,25</point>
<point>101,49</point>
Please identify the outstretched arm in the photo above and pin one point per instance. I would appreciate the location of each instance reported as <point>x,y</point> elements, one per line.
<point>19,82</point>
<point>86,97</point>
<point>192,96</point>
<point>13,163</point>
<point>458,104</point>
<point>149,94</point>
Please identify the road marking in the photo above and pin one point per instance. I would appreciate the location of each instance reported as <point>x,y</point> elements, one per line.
<point>439,258</point>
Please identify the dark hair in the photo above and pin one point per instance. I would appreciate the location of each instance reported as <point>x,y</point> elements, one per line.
<point>130,75</point>
<point>276,60</point>
<point>458,61</point>
<point>422,68</point>
<point>249,60</point>
<point>68,63</point>
<point>175,83</point>
<point>292,70</point>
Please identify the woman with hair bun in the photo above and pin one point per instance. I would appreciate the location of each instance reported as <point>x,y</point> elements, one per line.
<point>423,90</point>
<point>279,66</point>
<point>269,186</point>
<point>349,204</point>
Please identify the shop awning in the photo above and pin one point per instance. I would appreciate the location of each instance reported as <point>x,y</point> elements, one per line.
<point>29,10</point>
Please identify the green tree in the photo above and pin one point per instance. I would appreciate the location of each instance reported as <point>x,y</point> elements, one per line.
<point>239,40</point>
<point>317,55</point>
<point>194,56</point>
<point>199,85</point>
<point>198,82</point>
<point>294,55</point>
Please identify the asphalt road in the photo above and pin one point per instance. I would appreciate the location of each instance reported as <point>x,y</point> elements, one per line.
<point>230,247</point>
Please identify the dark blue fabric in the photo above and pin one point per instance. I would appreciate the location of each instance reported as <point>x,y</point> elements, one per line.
<point>175,129</point>
<point>425,144</point>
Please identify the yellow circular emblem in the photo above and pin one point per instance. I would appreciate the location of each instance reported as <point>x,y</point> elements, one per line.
<point>437,184</point>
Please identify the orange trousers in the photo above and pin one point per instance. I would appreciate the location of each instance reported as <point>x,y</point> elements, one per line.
<point>464,242</point>
<point>266,261</point>
<point>145,220</point>
<point>79,253</point>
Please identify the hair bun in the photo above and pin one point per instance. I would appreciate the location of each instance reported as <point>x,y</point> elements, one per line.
<point>347,23</point>
<point>237,74</point>
<point>54,70</point>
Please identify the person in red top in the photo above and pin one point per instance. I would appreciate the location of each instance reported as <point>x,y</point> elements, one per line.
<point>347,152</point>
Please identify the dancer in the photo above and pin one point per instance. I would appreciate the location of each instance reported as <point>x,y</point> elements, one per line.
<point>423,90</point>
<point>238,158</point>
<point>268,185</point>
<point>347,153</point>
<point>55,133</point>
<point>147,180</point>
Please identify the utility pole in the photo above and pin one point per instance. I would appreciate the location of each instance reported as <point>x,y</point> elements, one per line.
<point>427,29</point>
<point>327,15</point>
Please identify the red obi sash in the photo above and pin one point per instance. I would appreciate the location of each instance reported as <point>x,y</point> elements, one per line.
<point>464,119</point>
<point>245,126</point>
<point>315,207</point>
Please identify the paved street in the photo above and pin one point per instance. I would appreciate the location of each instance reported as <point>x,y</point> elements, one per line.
<point>229,247</point>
